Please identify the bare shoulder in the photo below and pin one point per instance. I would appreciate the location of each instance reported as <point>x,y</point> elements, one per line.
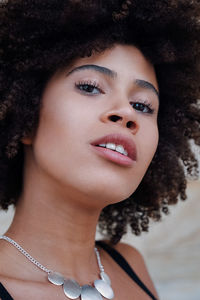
<point>132,255</point>
<point>136,261</point>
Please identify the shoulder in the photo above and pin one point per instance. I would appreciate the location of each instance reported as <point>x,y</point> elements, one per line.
<point>136,261</point>
<point>132,255</point>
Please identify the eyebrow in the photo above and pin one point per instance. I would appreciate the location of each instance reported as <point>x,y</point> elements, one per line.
<point>97,68</point>
<point>146,85</point>
<point>112,74</point>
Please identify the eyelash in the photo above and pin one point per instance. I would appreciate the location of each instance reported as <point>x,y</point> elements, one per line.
<point>95,85</point>
<point>91,84</point>
<point>145,104</point>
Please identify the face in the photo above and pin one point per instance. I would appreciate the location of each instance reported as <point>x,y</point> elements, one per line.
<point>108,98</point>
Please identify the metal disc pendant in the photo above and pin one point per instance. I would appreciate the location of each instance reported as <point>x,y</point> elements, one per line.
<point>90,293</point>
<point>56,278</point>
<point>105,277</point>
<point>72,289</point>
<point>104,288</point>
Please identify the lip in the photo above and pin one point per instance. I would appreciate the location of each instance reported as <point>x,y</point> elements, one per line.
<point>115,156</point>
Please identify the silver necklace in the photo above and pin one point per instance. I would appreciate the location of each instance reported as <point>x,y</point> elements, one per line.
<point>71,288</point>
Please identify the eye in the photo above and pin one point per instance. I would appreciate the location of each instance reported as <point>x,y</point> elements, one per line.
<point>89,88</point>
<point>143,107</point>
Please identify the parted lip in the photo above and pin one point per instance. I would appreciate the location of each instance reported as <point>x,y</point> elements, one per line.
<point>119,139</point>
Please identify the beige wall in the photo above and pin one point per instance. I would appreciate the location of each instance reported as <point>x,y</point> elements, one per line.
<point>172,249</point>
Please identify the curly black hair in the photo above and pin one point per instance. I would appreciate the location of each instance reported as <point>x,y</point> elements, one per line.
<point>37,38</point>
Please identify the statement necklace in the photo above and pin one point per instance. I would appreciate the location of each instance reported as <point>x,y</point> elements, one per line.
<point>71,288</point>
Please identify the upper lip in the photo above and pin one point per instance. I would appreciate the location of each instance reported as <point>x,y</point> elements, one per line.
<point>119,139</point>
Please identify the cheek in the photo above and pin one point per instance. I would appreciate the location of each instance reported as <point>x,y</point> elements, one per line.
<point>60,146</point>
<point>49,145</point>
<point>149,143</point>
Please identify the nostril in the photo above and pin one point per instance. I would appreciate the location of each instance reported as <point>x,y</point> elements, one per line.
<point>114,118</point>
<point>131,125</point>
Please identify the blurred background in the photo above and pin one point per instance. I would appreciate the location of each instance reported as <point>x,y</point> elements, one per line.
<point>171,248</point>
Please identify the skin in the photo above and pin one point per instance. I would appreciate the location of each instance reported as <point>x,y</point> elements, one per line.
<point>58,211</point>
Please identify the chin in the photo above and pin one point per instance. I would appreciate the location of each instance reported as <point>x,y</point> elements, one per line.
<point>110,194</point>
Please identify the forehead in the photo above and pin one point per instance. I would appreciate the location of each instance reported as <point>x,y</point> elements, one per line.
<point>124,60</point>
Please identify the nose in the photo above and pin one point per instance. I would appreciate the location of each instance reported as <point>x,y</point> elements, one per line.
<point>123,115</point>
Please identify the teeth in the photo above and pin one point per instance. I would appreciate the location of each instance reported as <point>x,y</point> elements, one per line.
<point>125,153</point>
<point>112,146</point>
<point>120,149</point>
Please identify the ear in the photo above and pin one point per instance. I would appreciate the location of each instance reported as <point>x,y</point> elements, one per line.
<point>26,140</point>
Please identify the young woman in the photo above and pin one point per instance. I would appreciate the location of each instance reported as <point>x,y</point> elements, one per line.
<point>98,104</point>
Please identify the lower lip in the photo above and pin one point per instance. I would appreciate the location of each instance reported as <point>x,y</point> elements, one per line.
<point>114,156</point>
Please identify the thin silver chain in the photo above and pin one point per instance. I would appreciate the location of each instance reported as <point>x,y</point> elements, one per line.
<point>35,262</point>
<point>99,260</point>
<point>25,253</point>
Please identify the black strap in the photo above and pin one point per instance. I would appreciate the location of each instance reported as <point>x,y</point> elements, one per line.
<point>4,295</point>
<point>120,260</point>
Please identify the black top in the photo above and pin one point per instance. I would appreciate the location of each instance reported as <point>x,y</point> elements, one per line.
<point>4,294</point>
<point>120,260</point>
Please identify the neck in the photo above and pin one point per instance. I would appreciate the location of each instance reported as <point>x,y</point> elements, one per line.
<point>56,229</point>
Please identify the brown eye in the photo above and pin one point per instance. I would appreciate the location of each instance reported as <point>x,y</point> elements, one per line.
<point>143,107</point>
<point>88,88</point>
